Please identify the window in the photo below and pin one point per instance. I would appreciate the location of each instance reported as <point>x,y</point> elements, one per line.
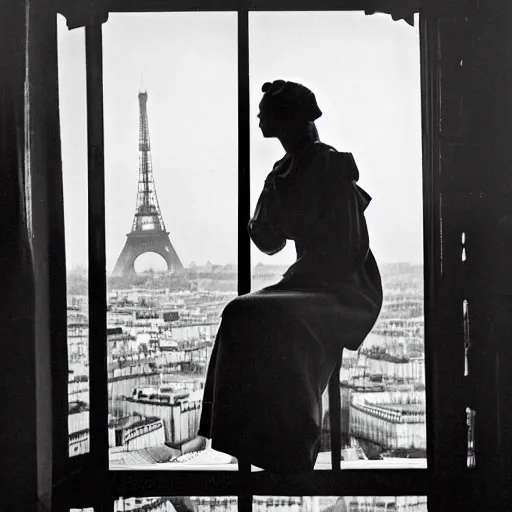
<point>345,54</point>
<point>175,503</point>
<point>74,165</point>
<point>170,167</point>
<point>333,503</point>
<point>118,304</point>
<point>280,503</point>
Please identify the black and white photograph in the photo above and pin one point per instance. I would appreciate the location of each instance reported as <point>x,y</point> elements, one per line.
<point>257,255</point>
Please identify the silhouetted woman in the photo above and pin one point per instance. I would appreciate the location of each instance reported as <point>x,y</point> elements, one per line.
<point>276,348</point>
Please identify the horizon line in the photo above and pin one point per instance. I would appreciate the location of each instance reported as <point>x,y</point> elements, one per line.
<point>83,266</point>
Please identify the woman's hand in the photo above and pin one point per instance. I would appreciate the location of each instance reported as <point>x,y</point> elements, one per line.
<point>268,239</point>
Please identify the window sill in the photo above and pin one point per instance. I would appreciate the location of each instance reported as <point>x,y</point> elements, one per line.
<point>323,464</point>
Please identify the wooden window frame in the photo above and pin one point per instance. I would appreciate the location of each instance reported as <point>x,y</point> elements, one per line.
<point>86,480</point>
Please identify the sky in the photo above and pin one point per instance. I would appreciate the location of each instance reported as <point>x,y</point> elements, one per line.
<point>364,71</point>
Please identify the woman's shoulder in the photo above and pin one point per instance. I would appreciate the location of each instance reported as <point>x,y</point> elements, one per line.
<point>324,156</point>
<point>316,154</point>
<point>319,149</point>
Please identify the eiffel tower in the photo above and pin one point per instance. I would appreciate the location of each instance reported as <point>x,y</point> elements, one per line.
<point>148,232</point>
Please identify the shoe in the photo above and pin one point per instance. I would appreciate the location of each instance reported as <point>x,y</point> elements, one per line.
<point>192,445</point>
<point>205,457</point>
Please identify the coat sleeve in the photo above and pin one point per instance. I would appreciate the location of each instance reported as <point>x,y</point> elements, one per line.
<point>262,228</point>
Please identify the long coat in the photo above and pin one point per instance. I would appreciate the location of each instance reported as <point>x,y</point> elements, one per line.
<point>276,348</point>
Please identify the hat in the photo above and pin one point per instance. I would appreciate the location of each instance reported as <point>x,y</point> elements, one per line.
<point>290,98</point>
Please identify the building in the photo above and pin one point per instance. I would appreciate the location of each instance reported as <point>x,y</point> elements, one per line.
<point>391,420</point>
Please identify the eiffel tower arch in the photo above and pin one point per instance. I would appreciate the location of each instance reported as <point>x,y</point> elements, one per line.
<point>138,244</point>
<point>148,232</point>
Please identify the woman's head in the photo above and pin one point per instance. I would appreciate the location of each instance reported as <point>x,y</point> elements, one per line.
<point>285,104</point>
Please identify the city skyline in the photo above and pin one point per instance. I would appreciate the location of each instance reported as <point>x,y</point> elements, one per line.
<point>192,109</point>
<point>159,343</point>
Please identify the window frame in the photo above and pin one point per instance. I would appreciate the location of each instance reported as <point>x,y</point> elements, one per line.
<point>93,468</point>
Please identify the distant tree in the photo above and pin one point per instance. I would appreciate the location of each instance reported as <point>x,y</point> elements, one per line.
<point>77,281</point>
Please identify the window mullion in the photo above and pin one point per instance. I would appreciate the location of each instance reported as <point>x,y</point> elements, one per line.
<point>97,259</point>
<point>335,416</point>
<point>431,255</point>
<point>244,198</point>
<point>244,191</point>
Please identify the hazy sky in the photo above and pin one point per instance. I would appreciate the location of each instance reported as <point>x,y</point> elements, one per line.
<point>364,71</point>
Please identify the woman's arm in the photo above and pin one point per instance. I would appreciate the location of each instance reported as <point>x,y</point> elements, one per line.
<point>262,230</point>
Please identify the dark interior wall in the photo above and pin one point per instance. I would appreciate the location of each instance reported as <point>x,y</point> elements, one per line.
<point>17,361</point>
<point>47,241</point>
<point>475,178</point>
<point>32,277</point>
<point>490,250</point>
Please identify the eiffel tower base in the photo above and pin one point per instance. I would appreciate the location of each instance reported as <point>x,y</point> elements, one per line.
<point>138,243</point>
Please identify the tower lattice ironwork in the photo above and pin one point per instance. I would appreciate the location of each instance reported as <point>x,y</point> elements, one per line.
<point>148,232</point>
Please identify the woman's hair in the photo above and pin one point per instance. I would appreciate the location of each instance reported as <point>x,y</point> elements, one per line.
<point>290,100</point>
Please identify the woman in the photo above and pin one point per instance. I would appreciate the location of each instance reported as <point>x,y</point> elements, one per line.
<point>276,348</point>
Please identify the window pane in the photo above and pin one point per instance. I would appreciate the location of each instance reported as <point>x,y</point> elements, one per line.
<point>177,503</point>
<point>341,503</point>
<point>171,165</point>
<point>365,73</point>
<point>73,122</point>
